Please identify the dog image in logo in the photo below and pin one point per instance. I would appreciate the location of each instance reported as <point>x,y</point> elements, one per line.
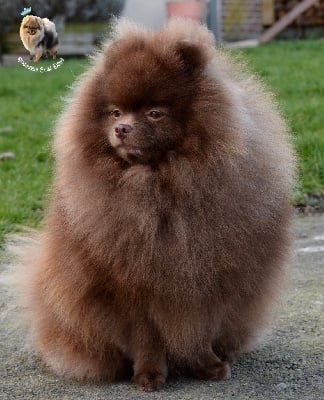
<point>39,37</point>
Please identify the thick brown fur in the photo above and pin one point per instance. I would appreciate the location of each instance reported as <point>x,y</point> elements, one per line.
<point>165,242</point>
<point>39,36</point>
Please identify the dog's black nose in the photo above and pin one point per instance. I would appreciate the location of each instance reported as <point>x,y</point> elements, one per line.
<point>123,130</point>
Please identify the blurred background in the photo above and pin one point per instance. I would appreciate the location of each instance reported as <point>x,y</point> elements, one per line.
<point>82,23</point>
<point>280,40</point>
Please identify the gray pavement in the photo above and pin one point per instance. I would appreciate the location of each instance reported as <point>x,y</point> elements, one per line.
<point>288,366</point>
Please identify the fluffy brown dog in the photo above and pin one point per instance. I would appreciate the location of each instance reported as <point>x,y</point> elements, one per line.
<point>169,224</point>
<point>39,36</point>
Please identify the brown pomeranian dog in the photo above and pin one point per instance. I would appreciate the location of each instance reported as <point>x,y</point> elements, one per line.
<point>168,229</point>
<point>39,36</point>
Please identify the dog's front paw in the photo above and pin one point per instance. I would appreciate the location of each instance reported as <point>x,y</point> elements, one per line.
<point>219,372</point>
<point>149,381</point>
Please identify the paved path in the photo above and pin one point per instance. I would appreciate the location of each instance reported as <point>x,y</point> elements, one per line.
<point>287,367</point>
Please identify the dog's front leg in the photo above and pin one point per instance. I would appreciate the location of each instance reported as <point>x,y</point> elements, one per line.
<point>150,366</point>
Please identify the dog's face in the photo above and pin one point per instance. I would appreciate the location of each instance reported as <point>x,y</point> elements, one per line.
<point>32,25</point>
<point>144,134</point>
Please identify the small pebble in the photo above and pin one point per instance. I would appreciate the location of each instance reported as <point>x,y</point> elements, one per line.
<point>282,385</point>
<point>4,156</point>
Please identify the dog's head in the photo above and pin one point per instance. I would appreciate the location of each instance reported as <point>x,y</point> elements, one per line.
<point>32,25</point>
<point>148,86</point>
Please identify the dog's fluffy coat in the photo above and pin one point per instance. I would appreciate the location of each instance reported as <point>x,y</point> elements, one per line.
<point>39,36</point>
<point>161,251</point>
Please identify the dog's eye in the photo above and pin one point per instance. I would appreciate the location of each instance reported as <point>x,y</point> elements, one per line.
<point>155,114</point>
<point>115,113</point>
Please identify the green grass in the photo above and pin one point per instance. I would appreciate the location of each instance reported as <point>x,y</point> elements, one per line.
<point>30,103</point>
<point>294,71</point>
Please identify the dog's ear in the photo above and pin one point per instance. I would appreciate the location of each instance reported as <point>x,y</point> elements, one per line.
<point>39,21</point>
<point>191,56</point>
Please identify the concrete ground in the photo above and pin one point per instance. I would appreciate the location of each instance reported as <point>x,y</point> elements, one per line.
<point>289,366</point>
